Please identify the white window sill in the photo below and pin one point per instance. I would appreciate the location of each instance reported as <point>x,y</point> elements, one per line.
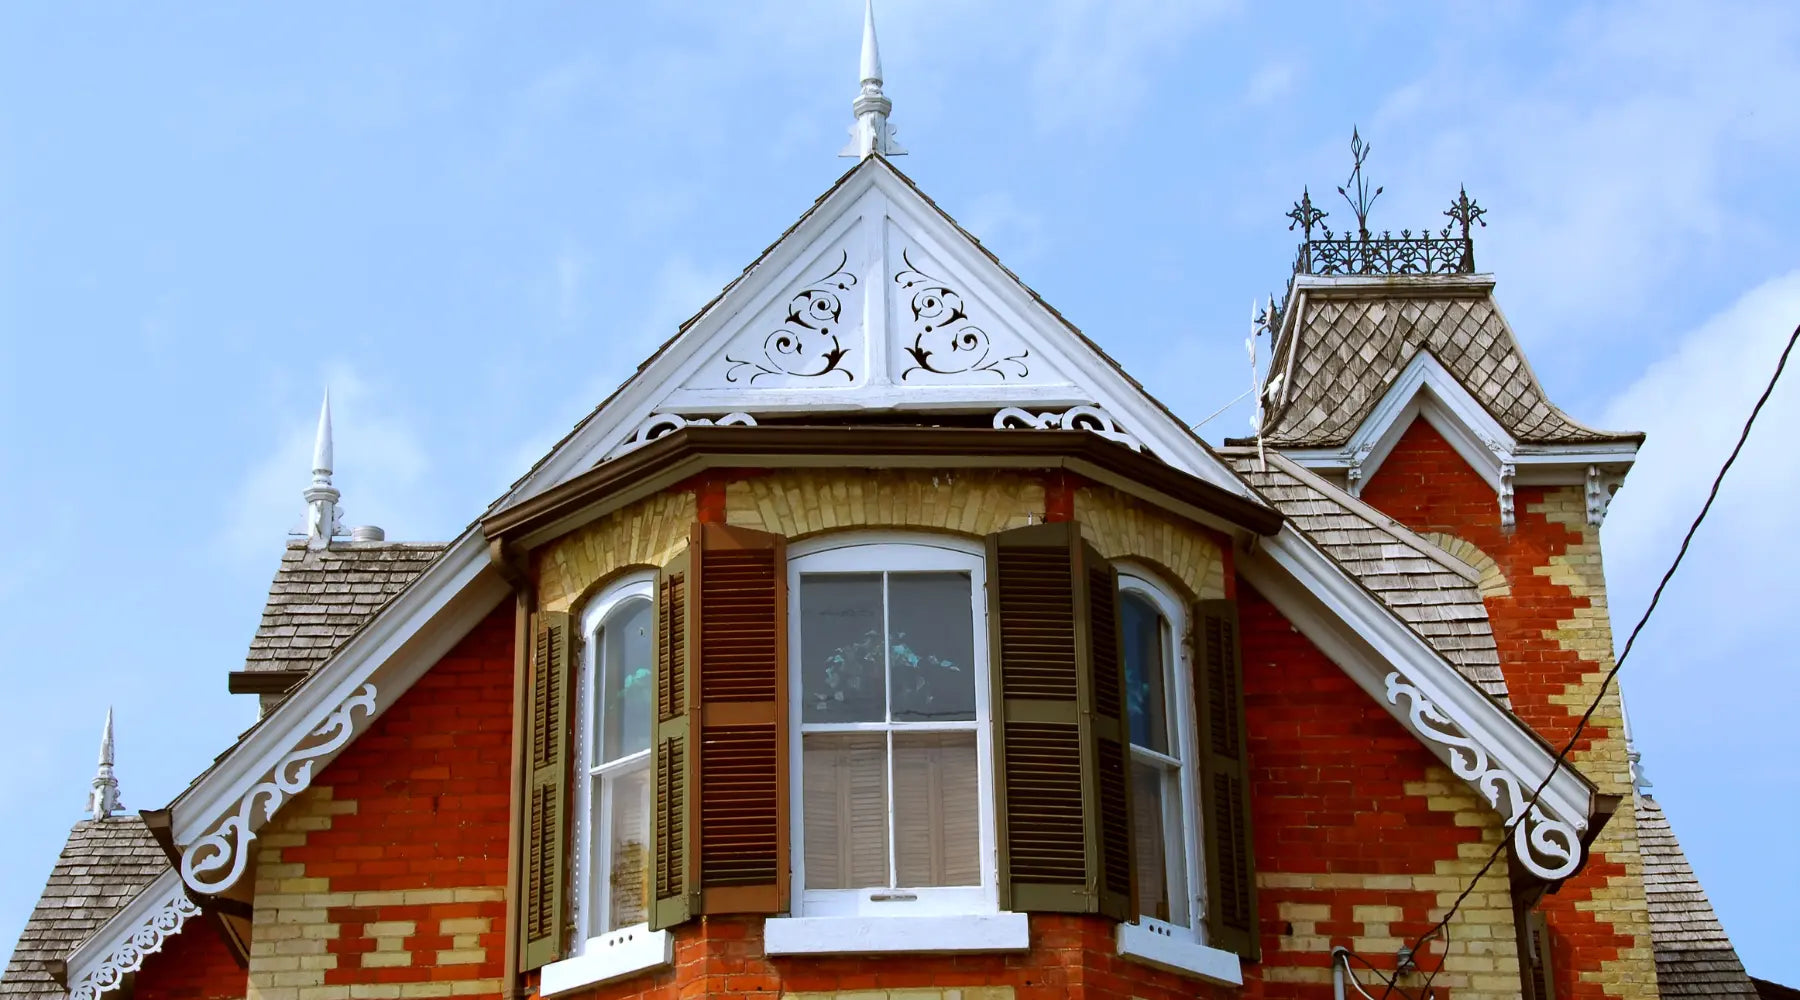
<point>865,935</point>
<point>622,953</point>
<point>1158,947</point>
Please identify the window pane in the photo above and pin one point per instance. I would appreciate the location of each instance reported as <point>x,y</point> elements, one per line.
<point>1144,672</point>
<point>845,832</point>
<point>1157,842</point>
<point>841,659</point>
<point>623,853</point>
<point>937,810</point>
<point>931,635</point>
<point>625,667</point>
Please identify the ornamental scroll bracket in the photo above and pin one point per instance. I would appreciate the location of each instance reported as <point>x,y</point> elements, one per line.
<point>215,862</point>
<point>146,939</point>
<point>1545,843</point>
<point>1599,496</point>
<point>660,424</point>
<point>1507,516</point>
<point>1075,418</point>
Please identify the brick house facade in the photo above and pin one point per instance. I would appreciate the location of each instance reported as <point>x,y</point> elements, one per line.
<point>882,639</point>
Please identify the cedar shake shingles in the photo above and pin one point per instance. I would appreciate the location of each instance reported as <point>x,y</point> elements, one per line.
<point>1351,344</point>
<point>1694,958</point>
<point>319,599</point>
<point>1404,571</point>
<point>103,866</point>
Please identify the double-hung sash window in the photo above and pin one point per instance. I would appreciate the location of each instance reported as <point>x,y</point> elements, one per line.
<point>617,688</point>
<point>888,646</point>
<point>1158,697</point>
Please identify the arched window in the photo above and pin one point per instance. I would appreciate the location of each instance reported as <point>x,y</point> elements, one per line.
<point>893,795</point>
<point>1159,701</point>
<point>617,682</point>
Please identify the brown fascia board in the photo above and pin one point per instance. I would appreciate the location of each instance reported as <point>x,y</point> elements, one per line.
<point>263,681</point>
<point>695,450</point>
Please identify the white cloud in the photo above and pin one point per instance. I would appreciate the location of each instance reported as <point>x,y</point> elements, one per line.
<point>380,469</point>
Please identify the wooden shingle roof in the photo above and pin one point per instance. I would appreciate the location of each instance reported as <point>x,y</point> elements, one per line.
<point>102,867</point>
<point>1694,957</point>
<point>1351,342</point>
<point>320,598</point>
<point>1426,587</point>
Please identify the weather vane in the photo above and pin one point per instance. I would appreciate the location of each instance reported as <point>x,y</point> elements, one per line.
<point>1359,151</point>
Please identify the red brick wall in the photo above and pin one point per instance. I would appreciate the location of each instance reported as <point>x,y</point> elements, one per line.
<point>395,859</point>
<point>193,965</point>
<point>1553,637</point>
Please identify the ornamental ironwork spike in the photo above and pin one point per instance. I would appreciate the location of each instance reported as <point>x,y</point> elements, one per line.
<point>1304,214</point>
<point>1464,211</point>
<point>1363,201</point>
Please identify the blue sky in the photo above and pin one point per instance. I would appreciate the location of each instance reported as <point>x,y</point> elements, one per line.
<point>474,220</point>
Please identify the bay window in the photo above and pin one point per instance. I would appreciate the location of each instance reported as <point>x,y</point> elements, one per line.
<point>1157,698</point>
<point>614,753</point>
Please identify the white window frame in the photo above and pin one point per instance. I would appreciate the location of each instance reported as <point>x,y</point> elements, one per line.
<point>1177,688</point>
<point>600,955</point>
<point>893,552</point>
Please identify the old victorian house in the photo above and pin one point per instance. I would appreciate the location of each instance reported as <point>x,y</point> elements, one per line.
<point>881,638</point>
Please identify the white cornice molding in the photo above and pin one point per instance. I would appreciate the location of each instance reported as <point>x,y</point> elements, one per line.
<point>395,649</point>
<point>137,931</point>
<point>1480,741</point>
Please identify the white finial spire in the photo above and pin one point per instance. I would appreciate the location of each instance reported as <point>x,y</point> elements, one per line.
<point>322,514</point>
<point>103,800</point>
<point>871,132</point>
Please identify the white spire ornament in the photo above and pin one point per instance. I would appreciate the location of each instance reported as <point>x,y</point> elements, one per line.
<point>871,132</point>
<point>323,518</point>
<point>103,799</point>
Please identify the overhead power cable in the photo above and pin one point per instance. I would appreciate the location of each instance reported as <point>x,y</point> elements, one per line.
<point>1593,706</point>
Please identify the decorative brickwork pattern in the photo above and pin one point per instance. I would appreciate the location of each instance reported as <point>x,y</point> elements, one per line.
<point>387,877</point>
<point>646,534</point>
<point>1493,582</point>
<point>797,504</point>
<point>1362,838</point>
<point>1555,639</point>
<point>1122,527</point>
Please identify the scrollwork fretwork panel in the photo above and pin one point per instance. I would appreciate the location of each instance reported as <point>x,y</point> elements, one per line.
<point>215,862</point>
<point>809,341</point>
<point>940,338</point>
<point>1547,844</point>
<point>146,939</point>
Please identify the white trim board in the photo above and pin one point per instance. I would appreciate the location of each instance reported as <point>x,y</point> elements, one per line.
<point>1425,388</point>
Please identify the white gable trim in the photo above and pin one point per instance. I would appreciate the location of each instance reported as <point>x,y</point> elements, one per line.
<point>137,931</point>
<point>215,820</point>
<point>874,195</point>
<point>1425,388</point>
<point>1481,742</point>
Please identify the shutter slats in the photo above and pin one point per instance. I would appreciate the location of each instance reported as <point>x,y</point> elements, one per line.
<point>740,627</point>
<point>1231,913</point>
<point>671,808</point>
<point>1058,724</point>
<point>541,906</point>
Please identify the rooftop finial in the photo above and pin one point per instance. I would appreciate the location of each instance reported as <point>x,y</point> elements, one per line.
<point>1634,760</point>
<point>103,799</point>
<point>871,132</point>
<point>322,514</point>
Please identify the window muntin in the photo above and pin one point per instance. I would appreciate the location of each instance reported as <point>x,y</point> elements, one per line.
<point>895,806</point>
<point>613,799</point>
<point>1158,699</point>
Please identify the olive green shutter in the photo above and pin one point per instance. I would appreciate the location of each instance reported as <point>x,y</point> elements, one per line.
<point>1063,788</point>
<point>1225,780</point>
<point>673,885</point>
<point>546,794</point>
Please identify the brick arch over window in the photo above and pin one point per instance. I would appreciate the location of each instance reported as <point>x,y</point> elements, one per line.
<point>1493,579</point>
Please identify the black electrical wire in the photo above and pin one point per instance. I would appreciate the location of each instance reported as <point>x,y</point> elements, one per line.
<point>1630,641</point>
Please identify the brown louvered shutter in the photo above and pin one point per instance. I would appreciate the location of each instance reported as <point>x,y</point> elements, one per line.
<point>738,603</point>
<point>546,795</point>
<point>1231,918</point>
<point>1059,724</point>
<point>673,884</point>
